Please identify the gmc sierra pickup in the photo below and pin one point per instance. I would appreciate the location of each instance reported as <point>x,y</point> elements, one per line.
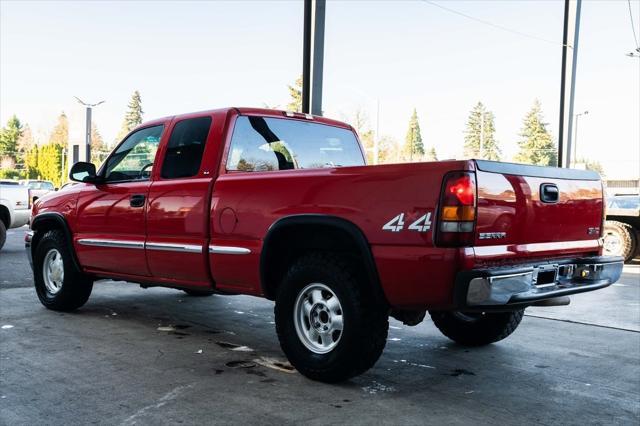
<point>282,205</point>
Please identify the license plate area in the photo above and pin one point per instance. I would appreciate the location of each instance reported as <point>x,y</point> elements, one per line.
<point>545,276</point>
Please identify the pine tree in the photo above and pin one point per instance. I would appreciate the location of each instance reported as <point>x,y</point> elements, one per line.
<point>536,146</point>
<point>479,138</point>
<point>9,137</point>
<point>431,155</point>
<point>413,146</point>
<point>49,157</point>
<point>31,168</point>
<point>133,116</point>
<point>295,92</point>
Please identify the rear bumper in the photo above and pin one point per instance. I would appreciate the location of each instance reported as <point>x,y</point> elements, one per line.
<point>20,217</point>
<point>521,286</point>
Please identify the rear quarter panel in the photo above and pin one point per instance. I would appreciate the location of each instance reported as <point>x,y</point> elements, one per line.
<point>246,204</point>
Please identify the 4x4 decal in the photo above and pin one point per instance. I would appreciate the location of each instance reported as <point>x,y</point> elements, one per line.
<point>422,224</point>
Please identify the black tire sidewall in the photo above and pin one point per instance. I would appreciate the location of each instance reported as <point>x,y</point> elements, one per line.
<point>75,287</point>
<point>3,234</point>
<point>352,353</point>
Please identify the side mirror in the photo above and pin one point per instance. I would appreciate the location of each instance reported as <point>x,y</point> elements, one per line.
<point>83,172</point>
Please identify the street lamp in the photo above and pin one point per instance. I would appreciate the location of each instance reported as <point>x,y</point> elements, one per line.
<point>88,132</point>
<point>575,138</point>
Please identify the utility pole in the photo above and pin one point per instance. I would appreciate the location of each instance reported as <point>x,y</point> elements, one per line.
<point>575,138</point>
<point>88,127</point>
<point>568,79</point>
<point>482,134</point>
<point>313,56</point>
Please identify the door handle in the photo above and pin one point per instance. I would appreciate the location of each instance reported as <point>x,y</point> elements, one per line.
<point>136,200</point>
<point>549,193</point>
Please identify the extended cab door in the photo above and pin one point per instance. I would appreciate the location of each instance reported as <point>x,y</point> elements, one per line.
<point>178,215</point>
<point>110,220</point>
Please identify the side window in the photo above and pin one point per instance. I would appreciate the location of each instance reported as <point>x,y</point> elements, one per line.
<point>185,148</point>
<point>133,159</point>
<point>265,144</point>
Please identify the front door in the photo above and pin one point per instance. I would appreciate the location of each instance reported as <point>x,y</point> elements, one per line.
<point>111,221</point>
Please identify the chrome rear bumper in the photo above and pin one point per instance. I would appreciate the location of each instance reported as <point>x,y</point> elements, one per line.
<point>532,283</point>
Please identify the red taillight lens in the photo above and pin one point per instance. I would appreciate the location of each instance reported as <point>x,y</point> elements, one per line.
<point>457,210</point>
<point>464,189</point>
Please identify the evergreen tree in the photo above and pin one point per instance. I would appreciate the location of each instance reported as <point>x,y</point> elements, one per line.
<point>9,137</point>
<point>295,92</point>
<point>536,146</point>
<point>479,138</point>
<point>413,146</point>
<point>49,157</point>
<point>133,116</point>
<point>31,168</point>
<point>431,155</point>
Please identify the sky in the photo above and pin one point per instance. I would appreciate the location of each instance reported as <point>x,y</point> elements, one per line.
<point>190,56</point>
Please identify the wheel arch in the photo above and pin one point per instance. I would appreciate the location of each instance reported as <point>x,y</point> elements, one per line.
<point>5,216</point>
<point>293,235</point>
<point>49,221</point>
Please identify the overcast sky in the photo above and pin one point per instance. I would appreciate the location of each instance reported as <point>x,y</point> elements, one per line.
<point>189,56</point>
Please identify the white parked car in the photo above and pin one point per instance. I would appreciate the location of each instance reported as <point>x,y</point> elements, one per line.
<point>15,207</point>
<point>38,188</point>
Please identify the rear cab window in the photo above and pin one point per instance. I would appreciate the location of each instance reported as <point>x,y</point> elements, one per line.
<point>270,144</point>
<point>185,148</point>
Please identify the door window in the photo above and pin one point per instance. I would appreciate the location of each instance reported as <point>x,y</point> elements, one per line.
<point>185,148</point>
<point>133,159</point>
<point>265,144</point>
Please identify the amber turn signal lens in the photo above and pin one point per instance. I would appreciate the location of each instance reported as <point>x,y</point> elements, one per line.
<point>458,213</point>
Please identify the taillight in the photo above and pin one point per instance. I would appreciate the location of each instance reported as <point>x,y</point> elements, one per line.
<point>30,198</point>
<point>457,210</point>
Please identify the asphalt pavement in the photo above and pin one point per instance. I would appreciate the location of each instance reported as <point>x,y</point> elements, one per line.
<point>157,356</point>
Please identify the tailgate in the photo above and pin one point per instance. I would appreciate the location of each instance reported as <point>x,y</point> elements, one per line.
<point>522,205</point>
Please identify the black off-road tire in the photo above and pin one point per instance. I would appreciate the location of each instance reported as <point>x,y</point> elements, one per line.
<point>3,234</point>
<point>627,237</point>
<point>476,329</point>
<point>76,286</point>
<point>199,293</point>
<point>365,322</point>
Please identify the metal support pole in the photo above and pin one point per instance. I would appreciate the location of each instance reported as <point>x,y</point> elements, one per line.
<point>313,56</point>
<point>88,137</point>
<point>568,79</point>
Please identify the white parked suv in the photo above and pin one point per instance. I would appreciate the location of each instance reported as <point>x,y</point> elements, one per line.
<point>15,207</point>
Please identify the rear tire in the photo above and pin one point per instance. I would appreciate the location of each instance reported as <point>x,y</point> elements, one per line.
<point>476,329</point>
<point>327,322</point>
<point>3,234</point>
<point>59,284</point>
<point>620,240</point>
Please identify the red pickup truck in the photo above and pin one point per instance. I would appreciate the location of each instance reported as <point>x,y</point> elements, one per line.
<point>281,205</point>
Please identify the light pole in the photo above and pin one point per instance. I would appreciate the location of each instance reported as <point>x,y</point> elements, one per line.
<point>575,138</point>
<point>88,131</point>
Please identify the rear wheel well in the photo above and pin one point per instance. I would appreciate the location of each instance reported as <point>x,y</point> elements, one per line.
<point>4,216</point>
<point>293,237</point>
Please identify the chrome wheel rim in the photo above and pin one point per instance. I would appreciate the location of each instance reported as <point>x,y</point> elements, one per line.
<point>612,244</point>
<point>317,315</point>
<point>53,271</point>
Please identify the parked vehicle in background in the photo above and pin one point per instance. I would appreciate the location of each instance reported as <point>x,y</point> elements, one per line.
<point>15,208</point>
<point>38,188</point>
<point>68,185</point>
<point>281,205</point>
<point>622,227</point>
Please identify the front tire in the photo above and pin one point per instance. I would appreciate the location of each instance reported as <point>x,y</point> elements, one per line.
<point>328,324</point>
<point>59,285</point>
<point>476,329</point>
